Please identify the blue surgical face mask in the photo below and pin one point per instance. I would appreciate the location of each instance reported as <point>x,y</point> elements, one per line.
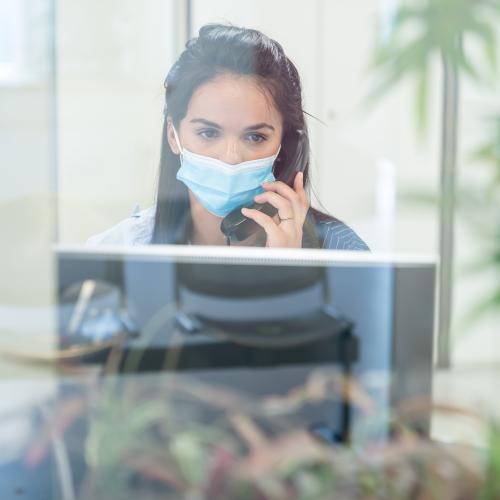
<point>221,187</point>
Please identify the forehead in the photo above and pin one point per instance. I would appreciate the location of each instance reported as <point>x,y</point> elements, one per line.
<point>233,101</point>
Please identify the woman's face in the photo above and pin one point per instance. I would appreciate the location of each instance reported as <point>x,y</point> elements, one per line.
<point>230,118</point>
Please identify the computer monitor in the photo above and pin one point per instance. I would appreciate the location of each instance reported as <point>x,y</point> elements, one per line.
<point>250,311</point>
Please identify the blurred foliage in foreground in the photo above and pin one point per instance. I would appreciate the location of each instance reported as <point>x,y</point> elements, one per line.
<point>171,437</point>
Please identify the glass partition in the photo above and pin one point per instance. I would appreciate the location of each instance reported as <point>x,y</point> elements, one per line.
<point>28,189</point>
<point>336,337</point>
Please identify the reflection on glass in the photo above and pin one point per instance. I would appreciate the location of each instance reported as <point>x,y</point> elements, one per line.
<point>213,372</point>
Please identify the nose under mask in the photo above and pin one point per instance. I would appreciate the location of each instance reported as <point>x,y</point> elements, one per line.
<point>221,187</point>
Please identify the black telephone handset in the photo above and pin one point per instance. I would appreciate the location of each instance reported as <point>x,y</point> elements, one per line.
<point>235,226</point>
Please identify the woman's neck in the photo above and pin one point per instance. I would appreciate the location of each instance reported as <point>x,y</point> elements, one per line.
<point>205,228</point>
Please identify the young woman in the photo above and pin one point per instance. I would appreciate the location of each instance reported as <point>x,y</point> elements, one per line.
<point>234,134</point>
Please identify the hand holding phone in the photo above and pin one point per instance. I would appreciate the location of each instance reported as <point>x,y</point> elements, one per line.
<point>289,202</point>
<point>237,226</point>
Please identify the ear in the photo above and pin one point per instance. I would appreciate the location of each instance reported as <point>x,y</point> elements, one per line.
<point>171,138</point>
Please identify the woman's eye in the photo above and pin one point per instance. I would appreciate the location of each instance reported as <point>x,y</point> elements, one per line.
<point>256,138</point>
<point>209,133</point>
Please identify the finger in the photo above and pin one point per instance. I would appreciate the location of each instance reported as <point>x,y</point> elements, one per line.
<point>299,209</point>
<point>264,221</point>
<point>285,208</point>
<point>298,185</point>
<point>288,193</point>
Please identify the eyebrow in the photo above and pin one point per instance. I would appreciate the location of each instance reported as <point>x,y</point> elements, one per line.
<point>257,126</point>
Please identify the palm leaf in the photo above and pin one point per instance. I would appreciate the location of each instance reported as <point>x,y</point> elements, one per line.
<point>445,25</point>
<point>486,34</point>
<point>491,485</point>
<point>462,63</point>
<point>421,101</point>
<point>409,59</point>
<point>489,305</point>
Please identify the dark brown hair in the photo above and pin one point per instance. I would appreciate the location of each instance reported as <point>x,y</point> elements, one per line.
<point>217,50</point>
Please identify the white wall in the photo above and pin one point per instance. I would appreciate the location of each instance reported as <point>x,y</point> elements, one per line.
<point>27,197</point>
<point>112,59</point>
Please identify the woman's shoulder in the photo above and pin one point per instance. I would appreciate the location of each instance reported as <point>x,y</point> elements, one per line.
<point>333,234</point>
<point>134,230</point>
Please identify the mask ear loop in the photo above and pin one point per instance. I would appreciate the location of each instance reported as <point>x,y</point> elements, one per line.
<point>276,157</point>
<point>177,141</point>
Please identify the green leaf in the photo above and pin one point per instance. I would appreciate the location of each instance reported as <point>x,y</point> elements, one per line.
<point>487,306</point>
<point>486,34</point>
<point>190,455</point>
<point>491,484</point>
<point>487,152</point>
<point>146,415</point>
<point>445,27</point>
<point>463,63</point>
<point>482,265</point>
<point>423,198</point>
<point>422,100</point>
<point>405,14</point>
<point>409,59</point>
